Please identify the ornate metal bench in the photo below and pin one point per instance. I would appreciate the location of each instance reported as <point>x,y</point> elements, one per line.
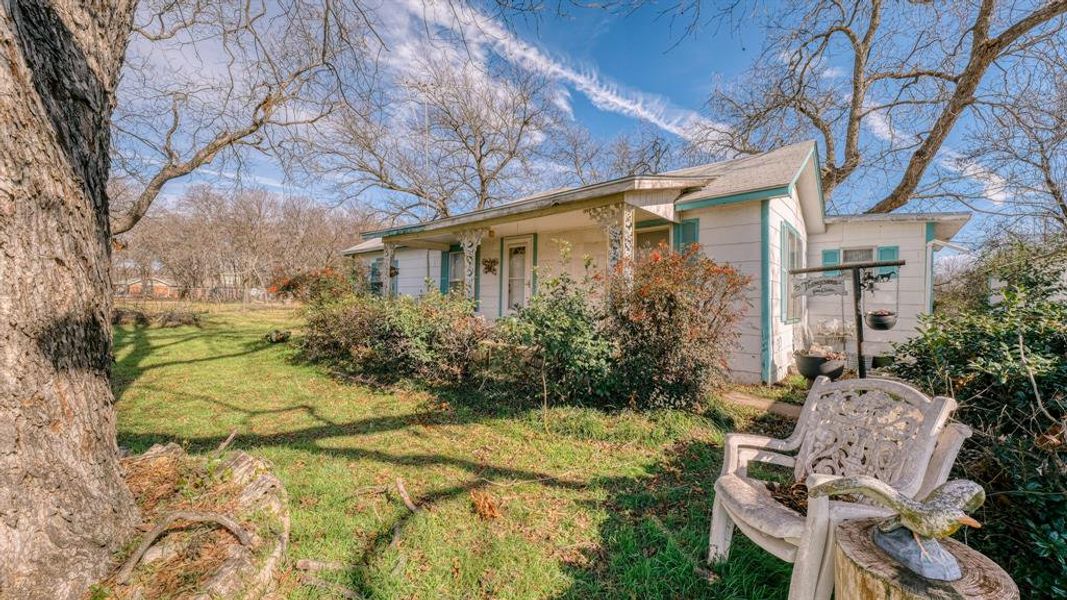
<point>875,427</point>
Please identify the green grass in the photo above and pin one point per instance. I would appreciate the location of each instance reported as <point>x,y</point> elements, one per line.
<point>592,504</point>
<point>793,390</point>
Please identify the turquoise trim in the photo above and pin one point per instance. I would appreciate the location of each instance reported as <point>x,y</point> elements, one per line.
<point>651,223</point>
<point>803,163</point>
<point>446,266</point>
<point>888,253</point>
<point>533,275</point>
<point>831,256</point>
<point>478,278</point>
<point>784,268</point>
<point>370,235</point>
<point>763,194</point>
<point>765,291</point>
<point>500,284</point>
<point>686,232</point>
<point>928,251</point>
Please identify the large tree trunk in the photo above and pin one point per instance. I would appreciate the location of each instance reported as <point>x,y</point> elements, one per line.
<point>63,504</point>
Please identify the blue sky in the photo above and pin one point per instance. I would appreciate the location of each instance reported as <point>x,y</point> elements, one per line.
<point>619,70</point>
<point>643,52</point>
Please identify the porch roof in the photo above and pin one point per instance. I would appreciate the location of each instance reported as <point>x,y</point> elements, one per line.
<point>770,173</point>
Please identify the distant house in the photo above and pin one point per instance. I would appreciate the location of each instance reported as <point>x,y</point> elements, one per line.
<point>764,214</point>
<point>147,287</point>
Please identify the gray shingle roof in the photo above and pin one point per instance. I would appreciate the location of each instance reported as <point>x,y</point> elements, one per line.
<point>772,169</point>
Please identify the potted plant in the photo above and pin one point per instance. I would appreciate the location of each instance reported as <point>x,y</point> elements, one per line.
<point>820,360</point>
<point>881,319</point>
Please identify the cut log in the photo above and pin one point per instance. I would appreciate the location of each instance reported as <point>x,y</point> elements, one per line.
<point>864,572</point>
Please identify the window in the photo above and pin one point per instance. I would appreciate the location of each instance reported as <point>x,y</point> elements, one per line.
<point>851,255</point>
<point>650,239</point>
<point>375,278</point>
<point>455,271</point>
<point>792,258</point>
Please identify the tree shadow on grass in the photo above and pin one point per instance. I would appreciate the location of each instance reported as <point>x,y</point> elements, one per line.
<point>136,338</point>
<point>477,474</point>
<point>655,540</point>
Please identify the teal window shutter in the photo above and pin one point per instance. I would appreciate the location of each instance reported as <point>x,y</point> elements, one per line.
<point>686,233</point>
<point>445,264</point>
<point>889,253</point>
<point>831,257</point>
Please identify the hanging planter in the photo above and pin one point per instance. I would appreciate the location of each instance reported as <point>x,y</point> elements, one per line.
<point>880,320</point>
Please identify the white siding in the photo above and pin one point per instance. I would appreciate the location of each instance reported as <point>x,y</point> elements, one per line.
<point>785,337</point>
<point>414,266</point>
<point>910,238</point>
<point>731,234</point>
<point>584,243</point>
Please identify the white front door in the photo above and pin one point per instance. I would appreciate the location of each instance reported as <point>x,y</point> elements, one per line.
<point>518,268</point>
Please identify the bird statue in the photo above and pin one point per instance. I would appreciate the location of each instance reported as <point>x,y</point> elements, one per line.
<point>939,515</point>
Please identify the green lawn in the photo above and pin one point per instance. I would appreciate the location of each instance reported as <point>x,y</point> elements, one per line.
<point>599,505</point>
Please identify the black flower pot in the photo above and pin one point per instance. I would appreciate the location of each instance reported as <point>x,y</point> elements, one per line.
<point>812,367</point>
<point>880,322</point>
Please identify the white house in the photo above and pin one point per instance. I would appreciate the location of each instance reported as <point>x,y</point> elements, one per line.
<point>764,214</point>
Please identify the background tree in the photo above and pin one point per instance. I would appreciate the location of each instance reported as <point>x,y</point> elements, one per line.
<point>882,85</point>
<point>206,82</point>
<point>218,243</point>
<point>1020,137</point>
<point>583,159</point>
<point>441,138</point>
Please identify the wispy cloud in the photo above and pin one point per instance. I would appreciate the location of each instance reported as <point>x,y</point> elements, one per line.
<point>994,187</point>
<point>481,33</point>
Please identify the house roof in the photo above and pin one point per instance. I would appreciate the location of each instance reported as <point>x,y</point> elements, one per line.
<point>774,169</point>
<point>771,171</point>
<point>946,224</point>
<point>364,247</point>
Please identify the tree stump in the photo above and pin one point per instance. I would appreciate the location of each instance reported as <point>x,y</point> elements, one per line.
<point>865,572</point>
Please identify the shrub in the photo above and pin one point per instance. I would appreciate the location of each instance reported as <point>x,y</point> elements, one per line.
<point>1006,365</point>
<point>569,359</point>
<point>433,338</point>
<point>674,321</point>
<point>313,286</point>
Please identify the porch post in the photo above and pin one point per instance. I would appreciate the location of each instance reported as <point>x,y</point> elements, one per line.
<point>387,269</point>
<point>617,221</point>
<point>469,241</point>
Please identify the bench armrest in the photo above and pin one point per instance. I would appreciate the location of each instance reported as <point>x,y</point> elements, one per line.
<point>742,448</point>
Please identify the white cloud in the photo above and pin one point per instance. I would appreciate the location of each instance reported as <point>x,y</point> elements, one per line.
<point>994,187</point>
<point>480,34</point>
<point>833,73</point>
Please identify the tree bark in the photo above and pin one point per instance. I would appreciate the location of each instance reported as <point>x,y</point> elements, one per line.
<point>64,507</point>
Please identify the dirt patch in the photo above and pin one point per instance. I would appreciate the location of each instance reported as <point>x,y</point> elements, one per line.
<point>229,540</point>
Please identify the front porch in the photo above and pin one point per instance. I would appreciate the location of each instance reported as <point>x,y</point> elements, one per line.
<point>497,262</point>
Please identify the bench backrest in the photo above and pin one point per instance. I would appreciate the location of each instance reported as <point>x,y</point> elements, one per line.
<point>875,427</point>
